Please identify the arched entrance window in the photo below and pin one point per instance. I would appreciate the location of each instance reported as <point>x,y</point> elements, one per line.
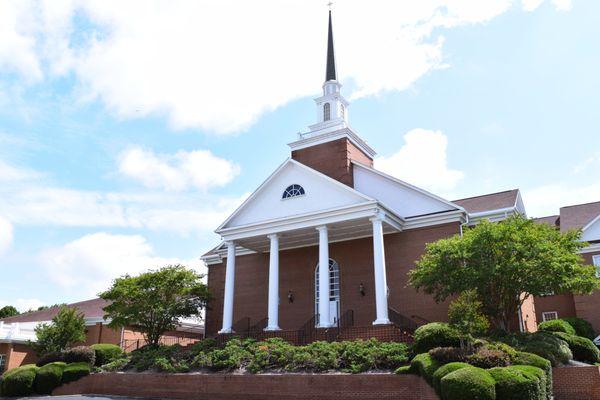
<point>334,291</point>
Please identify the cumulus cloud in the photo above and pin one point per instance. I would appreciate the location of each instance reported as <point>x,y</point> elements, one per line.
<point>88,264</point>
<point>179,171</point>
<point>23,305</point>
<point>9,172</point>
<point>219,65</point>
<point>421,161</point>
<point>547,199</point>
<point>6,235</point>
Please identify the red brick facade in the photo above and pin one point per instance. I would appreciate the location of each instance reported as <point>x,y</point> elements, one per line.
<point>297,274</point>
<point>333,159</point>
<point>576,383</point>
<point>253,387</point>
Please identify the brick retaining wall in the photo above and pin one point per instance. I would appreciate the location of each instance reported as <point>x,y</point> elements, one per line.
<point>253,387</point>
<point>576,383</point>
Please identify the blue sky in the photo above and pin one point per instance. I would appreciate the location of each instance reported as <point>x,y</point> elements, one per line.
<point>129,132</point>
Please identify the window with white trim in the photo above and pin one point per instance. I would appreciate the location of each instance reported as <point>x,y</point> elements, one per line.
<point>293,191</point>
<point>326,112</point>
<point>596,261</point>
<point>2,362</point>
<point>549,315</point>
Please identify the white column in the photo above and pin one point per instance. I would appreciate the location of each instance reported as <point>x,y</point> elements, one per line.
<point>273,315</point>
<point>229,288</point>
<point>324,319</point>
<point>381,304</point>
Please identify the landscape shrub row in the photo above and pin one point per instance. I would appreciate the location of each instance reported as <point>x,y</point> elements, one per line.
<point>97,354</point>
<point>31,379</point>
<point>272,355</point>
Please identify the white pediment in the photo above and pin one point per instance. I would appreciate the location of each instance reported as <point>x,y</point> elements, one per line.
<point>266,203</point>
<point>591,232</point>
<point>402,198</point>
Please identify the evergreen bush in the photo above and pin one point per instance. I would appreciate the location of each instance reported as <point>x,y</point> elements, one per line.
<point>583,349</point>
<point>557,325</point>
<point>514,384</point>
<point>106,353</point>
<point>445,370</point>
<point>425,365</point>
<point>75,371</point>
<point>470,383</point>
<point>522,358</point>
<point>49,377</point>
<point>18,381</point>
<point>435,334</point>
<point>79,354</point>
<point>582,327</point>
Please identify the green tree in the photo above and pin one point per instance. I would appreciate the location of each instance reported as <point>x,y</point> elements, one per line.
<point>504,263</point>
<point>465,314</point>
<point>8,311</point>
<point>66,329</point>
<point>155,301</point>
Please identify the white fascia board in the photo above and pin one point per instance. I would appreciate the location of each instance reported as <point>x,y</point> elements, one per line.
<point>436,219</point>
<point>493,215</point>
<point>519,205</point>
<point>592,248</point>
<point>319,138</point>
<point>221,252</point>
<point>355,211</point>
<point>408,185</point>
<point>592,222</point>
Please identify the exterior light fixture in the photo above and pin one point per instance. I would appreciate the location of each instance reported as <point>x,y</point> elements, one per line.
<point>290,296</point>
<point>361,289</point>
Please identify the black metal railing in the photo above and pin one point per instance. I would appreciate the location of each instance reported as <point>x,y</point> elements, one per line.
<point>258,327</point>
<point>403,322</point>
<point>308,332</point>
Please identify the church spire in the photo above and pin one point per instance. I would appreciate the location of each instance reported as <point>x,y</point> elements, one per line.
<point>330,74</point>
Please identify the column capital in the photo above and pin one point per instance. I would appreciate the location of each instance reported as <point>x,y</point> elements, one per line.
<point>378,217</point>
<point>321,228</point>
<point>273,236</point>
<point>229,243</point>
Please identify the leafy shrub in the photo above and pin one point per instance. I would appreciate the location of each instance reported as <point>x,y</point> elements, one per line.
<point>515,384</point>
<point>53,356</point>
<point>468,384</point>
<point>449,354</point>
<point>464,314</point>
<point>360,356</point>
<point>18,381</point>
<point>583,348</point>
<point>79,354</point>
<point>116,365</point>
<point>544,344</point>
<point>582,327</point>
<point>403,370</point>
<point>106,353</point>
<point>317,357</point>
<point>503,347</point>
<point>203,346</point>
<point>161,358</point>
<point>539,376</point>
<point>556,325</point>
<point>522,358</point>
<point>445,370</point>
<point>424,365</point>
<point>49,377</point>
<point>274,353</point>
<point>435,334</point>
<point>489,358</point>
<point>75,371</point>
<point>234,355</point>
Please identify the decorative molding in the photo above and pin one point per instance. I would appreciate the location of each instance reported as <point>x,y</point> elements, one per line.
<point>310,139</point>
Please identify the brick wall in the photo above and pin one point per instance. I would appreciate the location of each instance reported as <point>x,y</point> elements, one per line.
<point>563,304</point>
<point>250,387</point>
<point>297,269</point>
<point>587,307</point>
<point>333,159</point>
<point>576,383</point>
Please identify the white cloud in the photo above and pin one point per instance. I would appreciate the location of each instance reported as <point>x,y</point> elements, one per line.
<point>531,5</point>
<point>88,265</point>
<point>23,305</point>
<point>177,172</point>
<point>421,161</point>
<point>591,161</point>
<point>219,65</point>
<point>11,173</point>
<point>6,235</point>
<point>562,5</point>
<point>547,199</point>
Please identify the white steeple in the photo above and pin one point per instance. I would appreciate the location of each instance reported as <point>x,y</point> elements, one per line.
<point>331,107</point>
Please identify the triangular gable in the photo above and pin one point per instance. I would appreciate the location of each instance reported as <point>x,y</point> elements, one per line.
<point>591,231</point>
<point>404,199</point>
<point>266,203</point>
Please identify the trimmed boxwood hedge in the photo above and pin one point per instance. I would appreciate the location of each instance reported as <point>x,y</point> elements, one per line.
<point>538,375</point>
<point>583,349</point>
<point>425,365</point>
<point>514,384</point>
<point>18,381</point>
<point>582,327</point>
<point>75,371</point>
<point>106,353</point>
<point>49,377</point>
<point>557,325</point>
<point>435,334</point>
<point>445,370</point>
<point>522,358</point>
<point>470,383</point>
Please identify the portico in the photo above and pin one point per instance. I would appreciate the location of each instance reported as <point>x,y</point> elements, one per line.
<point>368,220</point>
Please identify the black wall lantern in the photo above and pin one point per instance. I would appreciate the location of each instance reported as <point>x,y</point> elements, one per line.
<point>361,289</point>
<point>290,296</point>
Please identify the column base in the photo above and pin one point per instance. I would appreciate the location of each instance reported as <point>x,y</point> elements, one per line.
<point>272,328</point>
<point>382,321</point>
<point>226,331</point>
<point>323,326</point>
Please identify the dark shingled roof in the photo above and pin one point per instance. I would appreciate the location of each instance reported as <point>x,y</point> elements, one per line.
<point>89,309</point>
<point>330,74</point>
<point>552,220</point>
<point>578,216</point>
<point>488,202</point>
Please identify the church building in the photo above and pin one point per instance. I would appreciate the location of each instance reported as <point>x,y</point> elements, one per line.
<point>326,241</point>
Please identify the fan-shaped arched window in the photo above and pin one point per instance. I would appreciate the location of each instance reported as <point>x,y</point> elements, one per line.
<point>326,112</point>
<point>293,191</point>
